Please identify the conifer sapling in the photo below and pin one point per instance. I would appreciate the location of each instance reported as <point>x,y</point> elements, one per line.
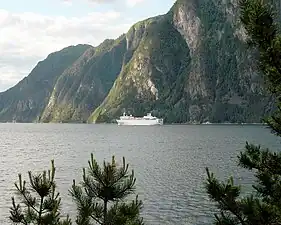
<point>101,196</point>
<point>39,201</point>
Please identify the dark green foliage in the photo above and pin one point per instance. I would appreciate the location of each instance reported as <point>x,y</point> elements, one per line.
<point>260,24</point>
<point>263,30</point>
<point>39,202</point>
<point>260,208</point>
<point>101,196</point>
<point>263,206</point>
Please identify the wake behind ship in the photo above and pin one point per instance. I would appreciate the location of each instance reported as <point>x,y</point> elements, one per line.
<point>139,121</point>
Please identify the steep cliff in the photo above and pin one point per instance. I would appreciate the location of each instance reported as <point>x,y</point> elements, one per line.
<point>26,100</point>
<point>84,85</point>
<point>191,64</point>
<point>153,77</point>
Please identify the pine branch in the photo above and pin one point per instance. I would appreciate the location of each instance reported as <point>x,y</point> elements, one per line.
<point>122,172</point>
<point>225,195</point>
<point>124,213</point>
<point>40,209</point>
<point>95,170</point>
<point>262,160</point>
<point>16,214</point>
<point>22,191</point>
<point>257,17</point>
<point>125,189</point>
<point>97,220</point>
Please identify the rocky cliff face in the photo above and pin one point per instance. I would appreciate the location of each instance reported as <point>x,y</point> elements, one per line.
<point>189,65</point>
<point>210,74</point>
<point>154,73</point>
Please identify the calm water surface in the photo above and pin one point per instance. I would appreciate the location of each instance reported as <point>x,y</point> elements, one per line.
<point>169,161</point>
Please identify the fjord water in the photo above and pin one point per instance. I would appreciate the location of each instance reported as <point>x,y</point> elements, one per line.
<point>169,161</point>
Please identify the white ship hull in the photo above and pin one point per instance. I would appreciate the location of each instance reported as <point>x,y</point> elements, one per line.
<point>139,122</point>
<point>147,120</point>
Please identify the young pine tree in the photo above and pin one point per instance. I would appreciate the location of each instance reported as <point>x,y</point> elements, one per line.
<point>263,206</point>
<point>39,201</point>
<point>100,198</point>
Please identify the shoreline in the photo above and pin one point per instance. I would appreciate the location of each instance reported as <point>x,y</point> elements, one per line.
<point>188,123</point>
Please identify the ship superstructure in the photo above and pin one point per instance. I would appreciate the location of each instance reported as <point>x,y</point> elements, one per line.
<point>135,121</point>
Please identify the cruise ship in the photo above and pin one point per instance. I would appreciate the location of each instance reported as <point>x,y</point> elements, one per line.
<point>137,121</point>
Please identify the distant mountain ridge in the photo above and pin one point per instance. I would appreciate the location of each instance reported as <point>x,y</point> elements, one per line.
<point>189,65</point>
<point>26,100</point>
<point>82,87</point>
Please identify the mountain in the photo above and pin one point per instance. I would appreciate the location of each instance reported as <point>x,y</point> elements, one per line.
<point>83,86</point>
<point>26,100</point>
<point>188,65</point>
<point>191,64</point>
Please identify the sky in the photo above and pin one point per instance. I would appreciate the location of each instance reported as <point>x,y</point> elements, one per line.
<point>32,29</point>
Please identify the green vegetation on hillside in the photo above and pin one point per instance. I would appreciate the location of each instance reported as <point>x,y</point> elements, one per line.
<point>163,58</point>
<point>84,85</point>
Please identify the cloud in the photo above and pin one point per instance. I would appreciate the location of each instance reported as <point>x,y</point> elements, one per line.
<point>130,3</point>
<point>133,3</point>
<point>67,2</point>
<point>28,37</point>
